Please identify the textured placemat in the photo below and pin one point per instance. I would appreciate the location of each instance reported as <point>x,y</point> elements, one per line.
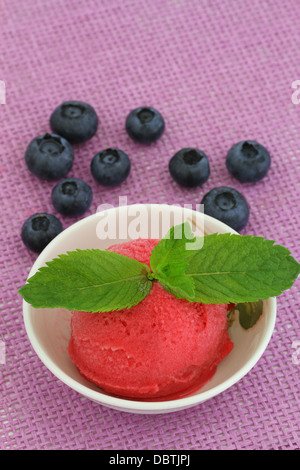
<point>219,71</point>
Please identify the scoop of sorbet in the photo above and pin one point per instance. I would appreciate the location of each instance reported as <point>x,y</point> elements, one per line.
<point>162,348</point>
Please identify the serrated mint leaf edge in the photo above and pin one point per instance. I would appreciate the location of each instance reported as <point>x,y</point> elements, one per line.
<point>166,246</point>
<point>167,267</point>
<point>147,277</point>
<point>180,292</point>
<point>219,297</point>
<point>143,285</point>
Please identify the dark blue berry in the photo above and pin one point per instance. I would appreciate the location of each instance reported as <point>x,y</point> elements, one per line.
<point>189,167</point>
<point>110,167</point>
<point>49,157</point>
<point>72,196</point>
<point>39,229</point>
<point>227,205</point>
<point>248,161</point>
<point>76,121</point>
<point>145,125</point>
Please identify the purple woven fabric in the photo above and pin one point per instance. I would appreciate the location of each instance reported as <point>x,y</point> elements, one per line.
<point>219,72</point>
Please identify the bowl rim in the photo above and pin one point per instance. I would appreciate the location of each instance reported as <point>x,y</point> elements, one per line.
<point>131,405</point>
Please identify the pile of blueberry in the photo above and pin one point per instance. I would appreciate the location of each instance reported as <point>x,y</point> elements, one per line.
<point>50,157</point>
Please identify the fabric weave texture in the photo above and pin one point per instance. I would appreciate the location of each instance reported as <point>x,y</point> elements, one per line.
<point>219,72</point>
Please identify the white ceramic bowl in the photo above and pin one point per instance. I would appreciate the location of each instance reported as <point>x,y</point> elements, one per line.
<point>49,329</point>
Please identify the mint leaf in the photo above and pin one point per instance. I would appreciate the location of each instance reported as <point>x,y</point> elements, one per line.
<point>88,280</point>
<point>169,260</point>
<point>240,268</point>
<point>220,268</point>
<point>249,313</point>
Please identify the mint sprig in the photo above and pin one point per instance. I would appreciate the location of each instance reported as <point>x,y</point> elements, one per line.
<point>240,268</point>
<point>218,268</point>
<point>169,260</point>
<point>88,280</point>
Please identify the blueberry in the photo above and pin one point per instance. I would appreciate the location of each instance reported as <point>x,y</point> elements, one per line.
<point>76,121</point>
<point>248,161</point>
<point>227,205</point>
<point>49,157</point>
<point>39,229</point>
<point>189,167</point>
<point>145,125</point>
<point>110,166</point>
<point>72,196</point>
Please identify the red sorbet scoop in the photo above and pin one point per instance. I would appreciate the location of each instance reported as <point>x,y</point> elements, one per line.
<point>162,348</point>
